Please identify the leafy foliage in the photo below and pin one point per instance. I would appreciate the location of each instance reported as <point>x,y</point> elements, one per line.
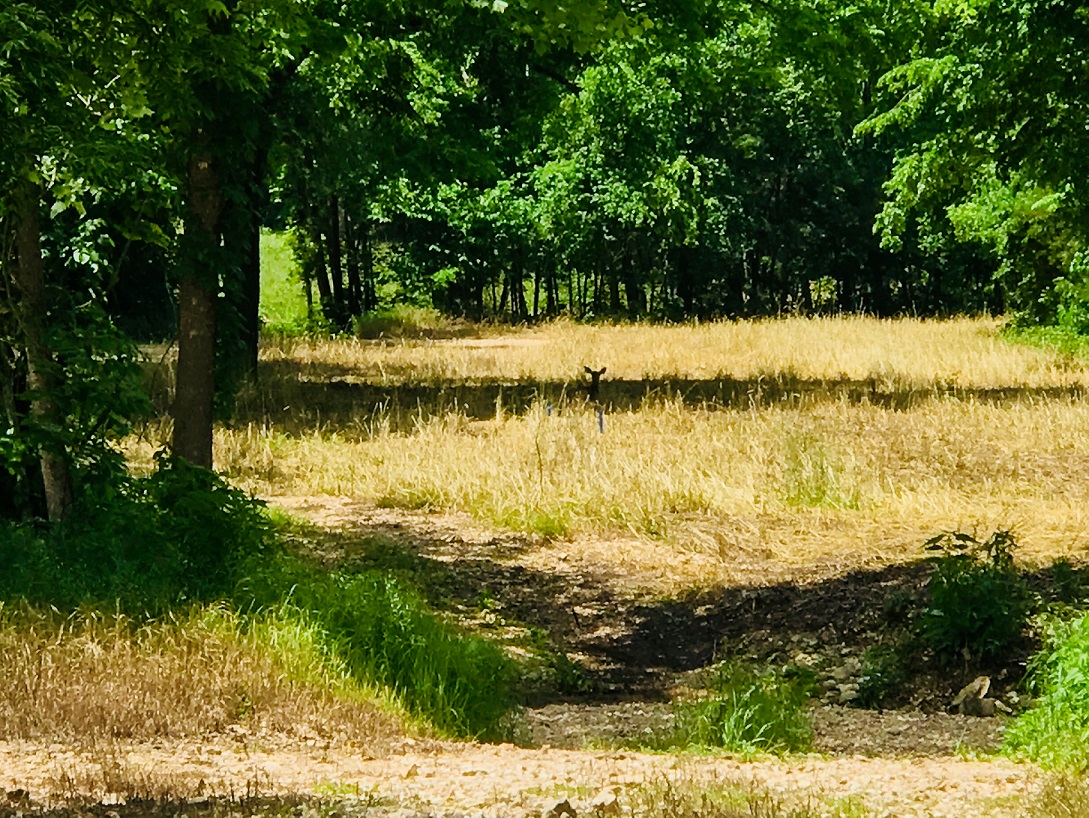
<point>145,544</point>
<point>979,603</point>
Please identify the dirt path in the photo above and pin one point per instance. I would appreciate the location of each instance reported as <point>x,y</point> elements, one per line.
<point>505,780</point>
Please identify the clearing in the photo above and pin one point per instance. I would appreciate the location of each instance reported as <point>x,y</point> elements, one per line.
<point>756,490</point>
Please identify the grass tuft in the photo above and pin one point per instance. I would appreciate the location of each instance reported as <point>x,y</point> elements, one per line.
<point>748,712</point>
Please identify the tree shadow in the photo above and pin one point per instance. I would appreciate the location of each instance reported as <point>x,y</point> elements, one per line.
<point>289,395</point>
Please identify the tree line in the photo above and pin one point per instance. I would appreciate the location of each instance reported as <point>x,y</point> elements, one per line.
<point>517,160</point>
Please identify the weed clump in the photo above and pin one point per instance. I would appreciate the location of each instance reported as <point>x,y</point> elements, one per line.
<point>749,712</point>
<point>1055,732</point>
<point>979,603</point>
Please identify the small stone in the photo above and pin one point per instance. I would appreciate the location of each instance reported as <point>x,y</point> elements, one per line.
<point>842,674</point>
<point>412,771</point>
<point>560,809</point>
<point>983,708</point>
<point>606,803</point>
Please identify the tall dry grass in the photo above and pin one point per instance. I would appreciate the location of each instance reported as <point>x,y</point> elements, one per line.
<point>92,677</point>
<point>893,353</point>
<point>816,478</point>
<point>825,481</point>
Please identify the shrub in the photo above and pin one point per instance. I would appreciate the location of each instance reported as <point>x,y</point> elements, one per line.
<point>1056,731</point>
<point>979,603</point>
<point>749,712</point>
<point>144,544</point>
<point>883,671</point>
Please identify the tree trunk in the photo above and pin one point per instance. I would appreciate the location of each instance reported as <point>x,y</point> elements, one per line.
<point>518,286</point>
<point>249,305</point>
<point>336,267</point>
<point>195,389</point>
<point>370,297</point>
<point>321,275</point>
<point>41,368</point>
<point>349,228</point>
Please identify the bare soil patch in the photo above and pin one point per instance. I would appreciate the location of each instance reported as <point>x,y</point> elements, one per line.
<point>502,780</point>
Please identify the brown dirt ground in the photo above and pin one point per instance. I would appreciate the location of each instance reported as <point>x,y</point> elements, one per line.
<point>504,780</point>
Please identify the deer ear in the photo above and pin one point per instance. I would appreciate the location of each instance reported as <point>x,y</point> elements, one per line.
<point>588,370</point>
<point>602,372</point>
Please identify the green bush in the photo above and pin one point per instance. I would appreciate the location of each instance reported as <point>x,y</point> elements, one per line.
<point>749,712</point>
<point>182,534</point>
<point>1055,732</point>
<point>463,684</point>
<point>979,603</point>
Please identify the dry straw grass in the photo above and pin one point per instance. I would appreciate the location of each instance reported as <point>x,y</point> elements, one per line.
<point>817,480</point>
<point>90,677</point>
<point>901,353</point>
<point>823,483</point>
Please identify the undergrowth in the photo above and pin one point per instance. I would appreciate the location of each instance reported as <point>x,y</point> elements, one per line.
<point>979,602</point>
<point>150,547</point>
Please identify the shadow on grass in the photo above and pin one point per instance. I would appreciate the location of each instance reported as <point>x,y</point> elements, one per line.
<point>632,648</point>
<point>297,396</point>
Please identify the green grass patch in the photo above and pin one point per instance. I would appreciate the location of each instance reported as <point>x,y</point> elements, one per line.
<point>463,684</point>
<point>283,300</point>
<point>1060,339</point>
<point>1055,733</point>
<point>748,712</point>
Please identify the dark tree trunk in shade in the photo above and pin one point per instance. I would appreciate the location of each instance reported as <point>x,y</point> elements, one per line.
<point>366,249</point>
<point>195,389</point>
<point>349,229</point>
<point>41,368</point>
<point>336,266</point>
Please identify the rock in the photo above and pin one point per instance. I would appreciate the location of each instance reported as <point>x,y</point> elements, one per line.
<point>841,674</point>
<point>976,690</point>
<point>848,693</point>
<point>984,708</point>
<point>412,771</point>
<point>606,803</point>
<point>559,810</point>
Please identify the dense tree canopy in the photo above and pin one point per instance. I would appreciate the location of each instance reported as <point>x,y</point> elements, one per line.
<point>516,160</point>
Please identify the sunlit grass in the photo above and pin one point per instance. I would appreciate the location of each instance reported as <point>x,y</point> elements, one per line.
<point>888,354</point>
<point>283,300</point>
<point>94,676</point>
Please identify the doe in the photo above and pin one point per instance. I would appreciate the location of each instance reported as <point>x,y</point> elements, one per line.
<point>595,381</point>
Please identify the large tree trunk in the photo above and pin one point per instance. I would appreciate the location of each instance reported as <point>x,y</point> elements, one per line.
<point>41,368</point>
<point>195,386</point>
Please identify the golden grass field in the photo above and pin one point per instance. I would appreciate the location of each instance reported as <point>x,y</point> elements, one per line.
<point>992,435</point>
